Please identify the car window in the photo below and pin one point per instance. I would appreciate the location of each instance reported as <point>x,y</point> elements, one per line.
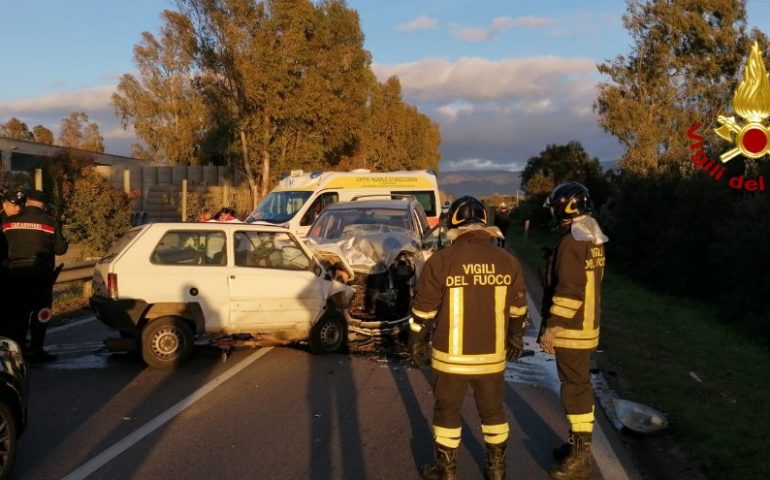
<point>345,222</point>
<point>118,246</point>
<point>191,247</point>
<point>426,198</point>
<point>323,201</point>
<point>269,250</point>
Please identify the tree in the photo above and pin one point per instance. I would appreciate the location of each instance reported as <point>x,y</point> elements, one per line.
<point>162,104</point>
<point>560,163</point>
<point>76,132</point>
<point>397,136</point>
<point>682,69</point>
<point>16,130</point>
<point>42,135</point>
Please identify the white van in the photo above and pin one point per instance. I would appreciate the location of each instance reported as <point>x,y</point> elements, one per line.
<point>298,199</point>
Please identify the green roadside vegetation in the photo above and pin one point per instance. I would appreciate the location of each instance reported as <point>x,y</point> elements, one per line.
<point>657,344</point>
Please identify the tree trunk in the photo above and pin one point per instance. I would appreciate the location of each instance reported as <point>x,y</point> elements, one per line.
<point>265,156</point>
<point>246,163</point>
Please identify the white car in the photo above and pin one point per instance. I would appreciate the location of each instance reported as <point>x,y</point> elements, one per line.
<point>166,284</point>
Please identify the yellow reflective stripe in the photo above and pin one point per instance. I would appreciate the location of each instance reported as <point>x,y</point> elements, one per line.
<point>568,302</point>
<point>578,334</point>
<point>496,439</point>
<point>425,315</point>
<point>518,311</point>
<point>500,295</point>
<point>582,427</point>
<point>577,344</point>
<point>456,321</point>
<point>414,326</point>
<point>563,311</point>
<point>590,309</point>
<point>495,429</point>
<point>581,417</point>
<point>468,369</point>
<point>449,437</point>
<point>468,359</point>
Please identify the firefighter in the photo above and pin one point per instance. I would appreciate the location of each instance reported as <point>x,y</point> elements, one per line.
<point>570,330</point>
<point>471,296</point>
<point>34,238</point>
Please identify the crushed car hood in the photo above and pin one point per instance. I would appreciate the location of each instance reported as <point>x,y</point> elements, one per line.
<point>371,252</point>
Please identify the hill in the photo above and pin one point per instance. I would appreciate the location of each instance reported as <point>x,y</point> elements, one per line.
<point>486,182</point>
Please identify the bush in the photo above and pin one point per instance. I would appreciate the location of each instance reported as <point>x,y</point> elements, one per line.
<point>93,213</point>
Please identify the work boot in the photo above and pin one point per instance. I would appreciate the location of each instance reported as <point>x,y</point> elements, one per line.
<point>495,461</point>
<point>561,452</point>
<point>577,464</point>
<point>444,467</point>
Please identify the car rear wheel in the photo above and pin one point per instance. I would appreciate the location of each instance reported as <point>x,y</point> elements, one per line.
<point>166,342</point>
<point>329,334</point>
<point>7,440</point>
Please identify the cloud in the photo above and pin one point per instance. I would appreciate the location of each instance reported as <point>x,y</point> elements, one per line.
<point>498,114</point>
<point>497,27</point>
<point>419,23</point>
<point>48,110</point>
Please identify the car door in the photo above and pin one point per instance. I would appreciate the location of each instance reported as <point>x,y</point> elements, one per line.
<point>273,283</point>
<point>188,266</point>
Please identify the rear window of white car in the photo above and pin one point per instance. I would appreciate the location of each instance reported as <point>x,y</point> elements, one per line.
<point>191,247</point>
<point>269,250</point>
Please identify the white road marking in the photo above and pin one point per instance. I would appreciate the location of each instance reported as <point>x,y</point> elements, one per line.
<point>70,325</point>
<point>609,465</point>
<point>112,452</point>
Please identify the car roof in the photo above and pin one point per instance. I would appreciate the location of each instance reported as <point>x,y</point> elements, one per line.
<point>361,204</point>
<point>264,227</point>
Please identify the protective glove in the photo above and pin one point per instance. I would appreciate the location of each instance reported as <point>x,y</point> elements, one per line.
<point>417,348</point>
<point>514,345</point>
<point>548,337</point>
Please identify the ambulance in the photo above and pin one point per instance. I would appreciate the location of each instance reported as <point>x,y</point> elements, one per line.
<point>298,198</point>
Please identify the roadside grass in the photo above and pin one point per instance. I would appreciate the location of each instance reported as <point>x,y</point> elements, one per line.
<point>67,298</point>
<point>712,380</point>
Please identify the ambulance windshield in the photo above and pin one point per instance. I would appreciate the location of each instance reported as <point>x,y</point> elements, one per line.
<point>279,207</point>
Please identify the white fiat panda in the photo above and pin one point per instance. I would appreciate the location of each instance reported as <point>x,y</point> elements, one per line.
<point>166,284</point>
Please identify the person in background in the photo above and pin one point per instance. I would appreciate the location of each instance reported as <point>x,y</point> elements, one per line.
<point>472,296</point>
<point>34,239</point>
<point>572,290</point>
<point>204,215</point>
<point>225,214</point>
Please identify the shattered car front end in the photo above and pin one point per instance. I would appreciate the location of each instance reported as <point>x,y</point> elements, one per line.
<point>386,261</point>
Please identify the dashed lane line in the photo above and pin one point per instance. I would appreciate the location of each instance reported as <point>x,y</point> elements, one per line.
<point>121,446</point>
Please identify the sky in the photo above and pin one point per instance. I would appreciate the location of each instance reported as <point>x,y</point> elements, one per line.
<point>502,78</point>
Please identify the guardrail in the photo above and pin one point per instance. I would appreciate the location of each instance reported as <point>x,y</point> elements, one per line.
<point>77,271</point>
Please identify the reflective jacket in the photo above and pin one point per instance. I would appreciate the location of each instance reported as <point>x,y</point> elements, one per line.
<point>470,292</point>
<point>572,292</point>
<point>33,237</point>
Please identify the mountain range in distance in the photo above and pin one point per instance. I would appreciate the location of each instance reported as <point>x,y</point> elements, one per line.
<point>481,183</point>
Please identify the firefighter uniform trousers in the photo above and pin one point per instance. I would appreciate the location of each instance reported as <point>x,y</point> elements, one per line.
<point>469,291</point>
<point>572,300</point>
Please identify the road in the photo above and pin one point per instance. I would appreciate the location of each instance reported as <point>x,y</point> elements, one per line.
<point>272,413</point>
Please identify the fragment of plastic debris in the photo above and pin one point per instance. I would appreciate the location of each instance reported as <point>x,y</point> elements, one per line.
<point>639,418</point>
<point>695,377</point>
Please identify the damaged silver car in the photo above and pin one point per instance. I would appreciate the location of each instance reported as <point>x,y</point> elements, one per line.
<point>382,241</point>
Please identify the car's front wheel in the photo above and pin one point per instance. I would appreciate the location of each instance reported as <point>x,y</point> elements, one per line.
<point>7,440</point>
<point>166,342</point>
<point>329,334</point>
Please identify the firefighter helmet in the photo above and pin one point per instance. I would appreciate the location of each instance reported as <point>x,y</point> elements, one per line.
<point>567,201</point>
<point>465,211</point>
